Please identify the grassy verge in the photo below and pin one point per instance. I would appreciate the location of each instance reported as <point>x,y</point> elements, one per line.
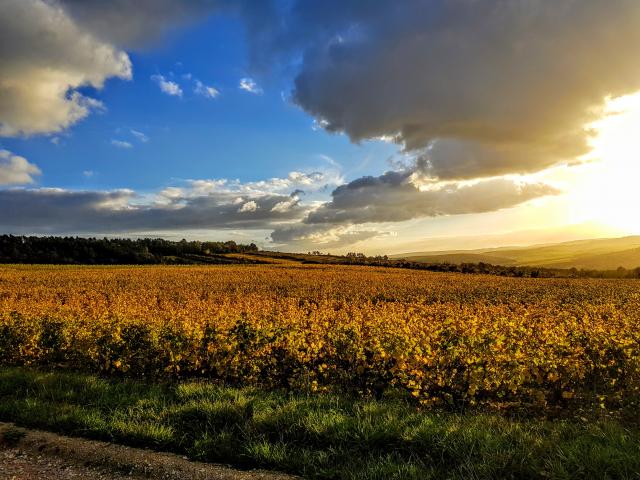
<point>319,436</point>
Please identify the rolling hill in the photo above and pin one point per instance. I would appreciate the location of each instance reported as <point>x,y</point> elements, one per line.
<point>597,254</point>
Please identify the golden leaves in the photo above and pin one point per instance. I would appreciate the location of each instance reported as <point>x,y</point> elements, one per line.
<point>442,338</point>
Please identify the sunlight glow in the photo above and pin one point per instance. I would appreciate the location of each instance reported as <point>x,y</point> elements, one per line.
<point>610,188</point>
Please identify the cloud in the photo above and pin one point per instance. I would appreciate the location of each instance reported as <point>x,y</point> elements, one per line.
<point>198,205</point>
<point>139,136</point>
<point>45,58</point>
<point>137,23</point>
<point>474,93</point>
<point>16,170</point>
<point>251,206</point>
<point>167,86</point>
<point>476,88</point>
<point>249,85</point>
<point>66,211</point>
<point>205,90</point>
<point>296,182</point>
<point>288,204</point>
<point>50,49</point>
<point>275,205</point>
<point>303,236</point>
<point>121,144</point>
<point>398,196</point>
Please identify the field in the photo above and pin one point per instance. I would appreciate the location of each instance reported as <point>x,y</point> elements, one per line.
<point>442,338</point>
<point>406,343</point>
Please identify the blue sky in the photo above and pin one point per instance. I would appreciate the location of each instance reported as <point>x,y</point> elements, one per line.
<point>237,135</point>
<point>376,126</point>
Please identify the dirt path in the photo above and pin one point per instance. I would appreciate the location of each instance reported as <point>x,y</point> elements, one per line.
<point>16,464</point>
<point>35,455</point>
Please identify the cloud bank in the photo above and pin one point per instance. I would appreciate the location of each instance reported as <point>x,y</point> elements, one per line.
<point>198,205</point>
<point>394,198</point>
<point>275,205</point>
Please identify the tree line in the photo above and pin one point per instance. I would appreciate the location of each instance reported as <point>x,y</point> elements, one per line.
<point>356,258</point>
<point>96,251</point>
<point>149,251</point>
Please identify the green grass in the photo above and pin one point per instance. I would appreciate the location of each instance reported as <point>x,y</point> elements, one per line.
<point>317,436</point>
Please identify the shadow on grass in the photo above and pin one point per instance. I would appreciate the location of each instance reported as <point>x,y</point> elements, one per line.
<point>317,436</point>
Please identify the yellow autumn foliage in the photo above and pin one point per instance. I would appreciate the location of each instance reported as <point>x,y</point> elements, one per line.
<point>441,338</point>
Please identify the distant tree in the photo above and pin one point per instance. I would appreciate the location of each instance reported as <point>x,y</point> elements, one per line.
<point>76,250</point>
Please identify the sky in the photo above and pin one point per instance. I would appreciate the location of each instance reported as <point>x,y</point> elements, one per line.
<point>335,125</point>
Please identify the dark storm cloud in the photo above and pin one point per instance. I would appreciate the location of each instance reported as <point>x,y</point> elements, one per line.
<point>503,86</point>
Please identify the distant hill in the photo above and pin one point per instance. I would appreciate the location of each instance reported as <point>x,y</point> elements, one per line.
<point>596,254</point>
<point>593,258</point>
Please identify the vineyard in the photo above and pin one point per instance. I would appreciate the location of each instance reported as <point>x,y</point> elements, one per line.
<point>437,338</point>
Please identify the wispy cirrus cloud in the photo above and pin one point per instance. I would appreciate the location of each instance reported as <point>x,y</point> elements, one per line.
<point>121,144</point>
<point>140,136</point>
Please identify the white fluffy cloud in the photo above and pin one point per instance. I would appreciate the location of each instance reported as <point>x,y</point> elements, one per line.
<point>277,205</point>
<point>16,170</point>
<point>296,182</point>
<point>249,85</point>
<point>51,48</point>
<point>205,90</point>
<point>250,206</point>
<point>45,57</point>
<point>167,86</point>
